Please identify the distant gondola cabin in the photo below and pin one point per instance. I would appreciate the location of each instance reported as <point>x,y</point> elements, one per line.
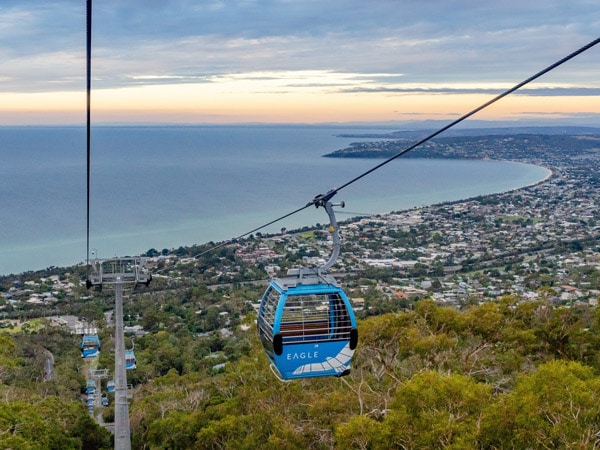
<point>130,361</point>
<point>90,346</point>
<point>307,327</point>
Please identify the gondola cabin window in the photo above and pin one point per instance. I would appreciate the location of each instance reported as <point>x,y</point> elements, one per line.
<point>315,317</point>
<point>266,319</point>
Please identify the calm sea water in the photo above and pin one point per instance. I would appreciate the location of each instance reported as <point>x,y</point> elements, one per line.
<point>163,187</point>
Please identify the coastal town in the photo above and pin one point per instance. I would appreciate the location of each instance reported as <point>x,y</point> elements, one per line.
<point>537,242</point>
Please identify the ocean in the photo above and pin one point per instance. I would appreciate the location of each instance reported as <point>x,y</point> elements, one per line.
<point>167,186</point>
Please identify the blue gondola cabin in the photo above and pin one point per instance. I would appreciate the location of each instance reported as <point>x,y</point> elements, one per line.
<point>90,387</point>
<point>307,327</point>
<point>90,346</point>
<point>130,361</point>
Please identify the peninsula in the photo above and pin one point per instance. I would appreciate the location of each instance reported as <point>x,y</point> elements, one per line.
<point>527,144</point>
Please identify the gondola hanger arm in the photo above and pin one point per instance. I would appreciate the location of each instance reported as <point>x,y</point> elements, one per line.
<point>335,234</point>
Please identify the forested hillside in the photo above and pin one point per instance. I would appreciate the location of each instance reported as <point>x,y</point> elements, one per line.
<point>41,414</point>
<point>499,375</point>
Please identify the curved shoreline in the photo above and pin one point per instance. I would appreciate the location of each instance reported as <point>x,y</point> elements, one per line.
<point>285,167</point>
<point>535,183</point>
<point>549,175</point>
<point>396,199</point>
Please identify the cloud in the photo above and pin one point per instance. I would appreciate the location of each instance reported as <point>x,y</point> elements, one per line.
<point>537,92</point>
<point>342,47</point>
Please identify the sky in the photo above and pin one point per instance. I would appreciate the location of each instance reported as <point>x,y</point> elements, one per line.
<point>296,61</point>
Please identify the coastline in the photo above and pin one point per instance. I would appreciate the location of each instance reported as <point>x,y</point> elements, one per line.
<point>239,178</point>
<point>548,176</point>
<point>388,211</point>
<point>543,180</point>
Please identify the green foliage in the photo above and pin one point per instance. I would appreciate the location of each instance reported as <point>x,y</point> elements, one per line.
<point>48,424</point>
<point>434,410</point>
<point>497,375</point>
<point>36,413</point>
<point>427,378</point>
<point>430,410</point>
<point>8,361</point>
<point>558,406</point>
<point>362,432</point>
